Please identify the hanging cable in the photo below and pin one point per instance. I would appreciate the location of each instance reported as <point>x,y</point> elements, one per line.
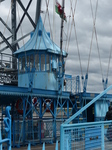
<point>47,4</point>
<point>73,21</point>
<point>109,61</point>
<point>68,30</point>
<point>94,30</point>
<point>94,22</point>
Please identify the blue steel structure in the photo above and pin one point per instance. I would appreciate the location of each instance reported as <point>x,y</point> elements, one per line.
<point>37,107</point>
<point>45,96</point>
<point>7,129</point>
<point>90,135</point>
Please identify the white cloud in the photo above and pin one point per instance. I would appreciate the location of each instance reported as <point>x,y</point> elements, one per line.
<point>84,26</point>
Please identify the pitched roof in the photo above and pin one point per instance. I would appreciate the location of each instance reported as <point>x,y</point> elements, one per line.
<point>40,41</point>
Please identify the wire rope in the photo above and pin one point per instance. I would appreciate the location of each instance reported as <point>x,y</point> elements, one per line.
<point>47,4</point>
<point>68,31</point>
<point>94,22</point>
<point>96,36</point>
<point>73,21</point>
<point>109,61</point>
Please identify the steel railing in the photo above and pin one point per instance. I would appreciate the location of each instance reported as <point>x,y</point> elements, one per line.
<point>86,136</point>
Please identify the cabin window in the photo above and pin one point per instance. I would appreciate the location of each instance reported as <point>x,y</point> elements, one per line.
<point>19,65</point>
<point>51,63</point>
<point>42,62</point>
<point>47,63</point>
<point>57,63</point>
<point>28,63</point>
<point>37,63</point>
<point>23,64</point>
<point>31,62</point>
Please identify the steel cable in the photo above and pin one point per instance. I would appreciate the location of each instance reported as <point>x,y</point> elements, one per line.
<point>73,21</point>
<point>94,30</point>
<point>109,61</point>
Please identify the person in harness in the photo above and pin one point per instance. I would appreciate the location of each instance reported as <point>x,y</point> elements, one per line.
<point>109,114</point>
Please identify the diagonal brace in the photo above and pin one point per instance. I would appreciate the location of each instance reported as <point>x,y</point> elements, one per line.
<point>32,22</point>
<point>25,12</point>
<point>8,44</point>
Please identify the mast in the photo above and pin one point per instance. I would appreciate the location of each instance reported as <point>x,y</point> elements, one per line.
<point>38,9</point>
<point>62,22</point>
<point>61,69</point>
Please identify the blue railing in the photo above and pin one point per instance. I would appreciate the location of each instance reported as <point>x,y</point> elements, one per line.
<point>7,122</point>
<point>86,136</point>
<point>43,147</point>
<point>72,84</point>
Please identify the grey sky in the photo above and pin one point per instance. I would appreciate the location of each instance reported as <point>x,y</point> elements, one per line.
<point>84,25</point>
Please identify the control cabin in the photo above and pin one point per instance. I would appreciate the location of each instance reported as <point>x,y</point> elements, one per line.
<point>39,61</point>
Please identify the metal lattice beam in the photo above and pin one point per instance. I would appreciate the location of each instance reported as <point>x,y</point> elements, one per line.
<point>2,0</point>
<point>25,12</point>
<point>32,22</point>
<point>5,40</point>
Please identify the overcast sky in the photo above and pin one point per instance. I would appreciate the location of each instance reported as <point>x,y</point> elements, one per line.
<point>84,28</point>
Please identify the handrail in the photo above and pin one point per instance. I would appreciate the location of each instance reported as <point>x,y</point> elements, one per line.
<point>86,106</point>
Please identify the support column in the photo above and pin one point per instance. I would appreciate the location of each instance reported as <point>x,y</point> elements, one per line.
<point>24,124</point>
<point>54,121</point>
<point>13,18</point>
<point>40,119</point>
<point>68,108</point>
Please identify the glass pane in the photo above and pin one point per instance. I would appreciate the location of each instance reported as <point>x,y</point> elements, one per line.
<point>28,66</point>
<point>57,63</point>
<point>42,62</point>
<point>31,62</point>
<point>37,64</point>
<point>51,64</point>
<point>19,65</point>
<point>23,65</point>
<point>47,63</point>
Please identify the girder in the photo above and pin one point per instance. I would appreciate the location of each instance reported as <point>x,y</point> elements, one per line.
<point>8,44</point>
<point>25,13</point>
<point>32,22</point>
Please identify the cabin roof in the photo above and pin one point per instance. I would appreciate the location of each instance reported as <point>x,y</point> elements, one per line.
<point>40,41</point>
